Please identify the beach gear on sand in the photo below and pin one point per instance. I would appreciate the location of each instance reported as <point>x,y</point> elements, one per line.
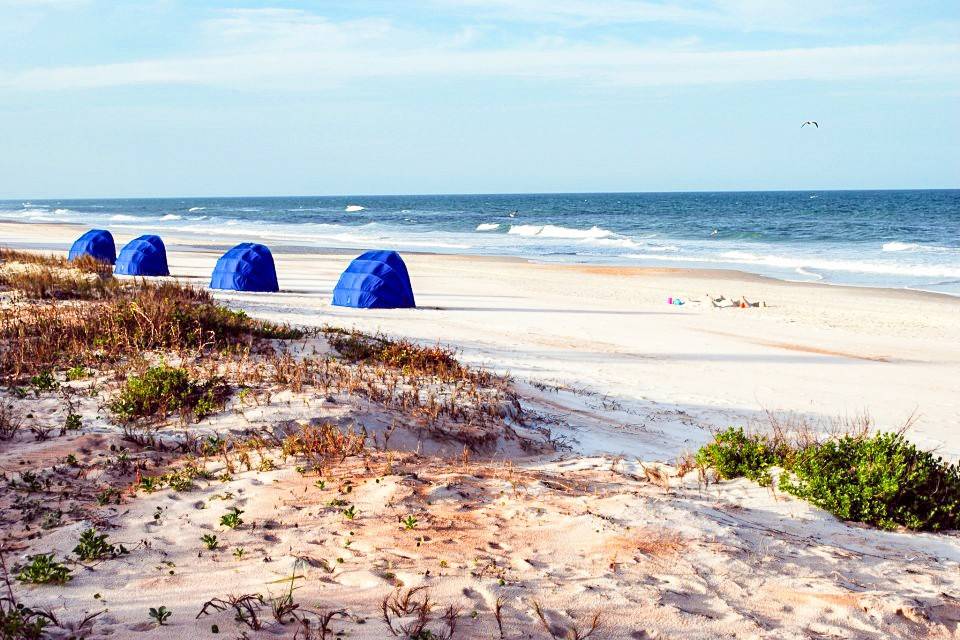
<point>375,280</point>
<point>143,256</point>
<point>743,303</point>
<point>246,267</point>
<point>96,243</point>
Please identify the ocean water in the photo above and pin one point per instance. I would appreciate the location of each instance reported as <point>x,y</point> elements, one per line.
<point>870,238</point>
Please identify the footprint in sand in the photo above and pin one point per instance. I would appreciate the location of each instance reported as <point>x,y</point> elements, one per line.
<point>482,598</point>
<point>360,579</point>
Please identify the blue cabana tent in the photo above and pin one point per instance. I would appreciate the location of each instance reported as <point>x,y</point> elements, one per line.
<point>375,280</point>
<point>246,267</point>
<point>143,256</point>
<point>96,243</point>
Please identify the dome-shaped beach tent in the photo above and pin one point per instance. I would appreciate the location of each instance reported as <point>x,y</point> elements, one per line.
<point>95,243</point>
<point>375,280</point>
<point>143,256</point>
<point>246,267</point>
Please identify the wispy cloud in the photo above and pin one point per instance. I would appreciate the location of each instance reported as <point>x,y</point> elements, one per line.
<point>302,51</point>
<point>42,3</point>
<point>745,15</point>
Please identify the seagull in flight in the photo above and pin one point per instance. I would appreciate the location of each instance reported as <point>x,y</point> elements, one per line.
<point>813,122</point>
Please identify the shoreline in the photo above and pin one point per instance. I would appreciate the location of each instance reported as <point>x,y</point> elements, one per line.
<point>190,242</point>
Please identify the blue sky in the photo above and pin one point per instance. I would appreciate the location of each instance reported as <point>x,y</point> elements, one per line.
<point>173,97</point>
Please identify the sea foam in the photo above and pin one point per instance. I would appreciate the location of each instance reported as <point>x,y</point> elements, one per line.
<point>554,231</point>
<point>900,246</point>
<point>813,263</point>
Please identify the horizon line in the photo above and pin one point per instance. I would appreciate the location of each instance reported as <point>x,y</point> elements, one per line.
<point>471,194</point>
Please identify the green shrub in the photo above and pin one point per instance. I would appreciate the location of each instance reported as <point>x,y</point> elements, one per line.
<point>882,480</point>
<point>44,569</point>
<point>206,404</point>
<point>94,546</point>
<point>163,390</point>
<point>78,372</point>
<point>735,454</point>
<point>44,381</point>
<point>73,422</point>
<point>159,391</point>
<point>18,622</point>
<point>232,518</point>
<point>160,615</point>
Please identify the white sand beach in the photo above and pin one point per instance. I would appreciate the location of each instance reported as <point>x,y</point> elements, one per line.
<point>650,378</point>
<point>594,518</point>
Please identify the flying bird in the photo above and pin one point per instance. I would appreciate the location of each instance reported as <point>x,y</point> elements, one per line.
<point>813,122</point>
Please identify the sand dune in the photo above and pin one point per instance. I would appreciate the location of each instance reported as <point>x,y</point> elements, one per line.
<point>572,510</point>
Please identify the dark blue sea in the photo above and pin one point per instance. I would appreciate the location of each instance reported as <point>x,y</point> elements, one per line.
<point>871,238</point>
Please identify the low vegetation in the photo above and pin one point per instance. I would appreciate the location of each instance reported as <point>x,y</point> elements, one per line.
<point>19,622</point>
<point>128,320</point>
<point>43,568</point>
<point>94,545</point>
<point>164,390</point>
<point>880,479</point>
<point>356,346</point>
<point>44,277</point>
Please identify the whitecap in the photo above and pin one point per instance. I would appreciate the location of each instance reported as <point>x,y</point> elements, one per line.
<point>122,218</point>
<point>488,226</point>
<point>171,216</point>
<point>192,209</point>
<point>554,231</point>
<point>900,246</point>
<point>351,208</point>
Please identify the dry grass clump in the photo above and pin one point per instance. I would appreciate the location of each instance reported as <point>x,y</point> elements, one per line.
<point>133,319</point>
<point>568,630</point>
<point>448,400</point>
<point>436,361</point>
<point>415,605</point>
<point>652,542</point>
<point>45,277</point>
<point>10,422</point>
<point>323,445</point>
